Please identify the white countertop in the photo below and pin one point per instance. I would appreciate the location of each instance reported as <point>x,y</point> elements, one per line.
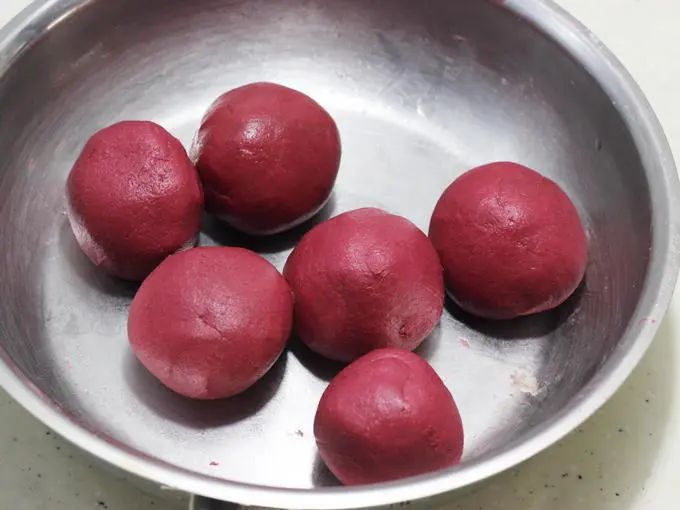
<point>627,457</point>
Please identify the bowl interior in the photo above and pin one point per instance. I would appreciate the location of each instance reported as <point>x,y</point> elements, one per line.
<point>421,92</point>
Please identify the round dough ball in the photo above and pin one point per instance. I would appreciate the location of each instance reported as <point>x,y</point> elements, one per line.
<point>387,416</point>
<point>211,321</point>
<point>363,280</point>
<point>268,157</point>
<point>134,198</point>
<point>510,240</point>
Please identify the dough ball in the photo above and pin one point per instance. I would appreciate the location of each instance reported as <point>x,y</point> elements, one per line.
<point>363,280</point>
<point>134,198</point>
<point>211,321</point>
<point>268,157</point>
<point>387,416</point>
<point>510,240</point>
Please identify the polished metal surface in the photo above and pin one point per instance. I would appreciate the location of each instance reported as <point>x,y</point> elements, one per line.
<point>421,92</point>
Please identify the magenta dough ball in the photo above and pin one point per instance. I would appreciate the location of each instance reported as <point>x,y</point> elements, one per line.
<point>268,157</point>
<point>134,198</point>
<point>510,240</point>
<point>363,280</point>
<point>387,416</point>
<point>210,322</point>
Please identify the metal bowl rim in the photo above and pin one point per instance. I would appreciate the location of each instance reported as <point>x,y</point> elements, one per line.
<point>39,17</point>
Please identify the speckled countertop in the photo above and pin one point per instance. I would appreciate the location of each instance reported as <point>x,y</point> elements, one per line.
<point>627,457</point>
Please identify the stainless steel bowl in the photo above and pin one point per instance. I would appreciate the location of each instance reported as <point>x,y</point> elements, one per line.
<point>421,91</point>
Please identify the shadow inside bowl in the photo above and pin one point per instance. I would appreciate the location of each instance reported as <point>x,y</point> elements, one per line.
<point>322,368</point>
<point>216,232</point>
<point>322,476</point>
<point>529,326</point>
<point>201,414</point>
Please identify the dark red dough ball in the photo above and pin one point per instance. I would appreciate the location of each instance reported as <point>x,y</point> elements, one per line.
<point>387,416</point>
<point>134,198</point>
<point>510,240</point>
<point>363,280</point>
<point>268,157</point>
<point>210,322</point>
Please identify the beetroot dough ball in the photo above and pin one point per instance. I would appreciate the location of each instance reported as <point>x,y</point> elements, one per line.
<point>510,240</point>
<point>387,416</point>
<point>364,280</point>
<point>210,322</point>
<point>134,198</point>
<point>268,157</point>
